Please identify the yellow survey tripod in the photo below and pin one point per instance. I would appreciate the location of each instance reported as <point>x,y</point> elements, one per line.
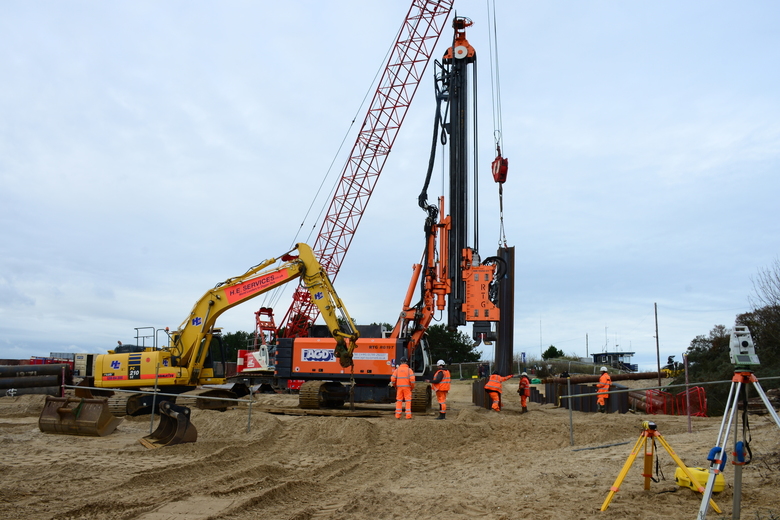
<point>650,433</point>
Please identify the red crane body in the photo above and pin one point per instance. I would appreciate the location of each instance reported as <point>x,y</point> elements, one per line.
<point>407,63</point>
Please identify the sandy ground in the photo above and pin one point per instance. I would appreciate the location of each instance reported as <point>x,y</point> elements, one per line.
<point>475,464</point>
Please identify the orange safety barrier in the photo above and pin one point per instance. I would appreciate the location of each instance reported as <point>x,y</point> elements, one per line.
<point>698,402</point>
<point>659,402</point>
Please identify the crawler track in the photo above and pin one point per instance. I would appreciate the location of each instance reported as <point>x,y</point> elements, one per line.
<point>421,398</point>
<point>309,395</point>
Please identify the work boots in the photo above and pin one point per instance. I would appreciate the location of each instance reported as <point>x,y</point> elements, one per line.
<point>525,409</point>
<point>602,408</point>
<point>441,416</point>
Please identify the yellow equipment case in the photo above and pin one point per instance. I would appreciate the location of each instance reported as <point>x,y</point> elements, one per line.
<point>702,475</point>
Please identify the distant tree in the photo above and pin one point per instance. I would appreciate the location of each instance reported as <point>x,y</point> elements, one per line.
<point>552,352</point>
<point>764,326</point>
<point>766,287</point>
<point>707,354</point>
<point>708,360</point>
<point>384,326</point>
<point>451,345</point>
<point>233,341</point>
<point>764,320</point>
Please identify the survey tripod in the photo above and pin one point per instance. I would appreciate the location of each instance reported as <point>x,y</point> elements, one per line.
<point>649,435</point>
<point>717,456</point>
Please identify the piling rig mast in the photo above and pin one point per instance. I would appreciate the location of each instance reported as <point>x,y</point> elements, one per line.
<point>453,277</point>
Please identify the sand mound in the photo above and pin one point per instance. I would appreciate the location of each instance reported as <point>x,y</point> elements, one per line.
<point>475,464</point>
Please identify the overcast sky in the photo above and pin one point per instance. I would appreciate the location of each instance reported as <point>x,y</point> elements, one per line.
<point>149,150</point>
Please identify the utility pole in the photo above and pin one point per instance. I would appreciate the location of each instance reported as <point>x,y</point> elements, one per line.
<point>657,351</point>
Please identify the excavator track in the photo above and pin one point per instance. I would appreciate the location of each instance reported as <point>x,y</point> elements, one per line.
<point>314,395</point>
<point>133,404</point>
<point>309,395</point>
<point>421,398</point>
<point>118,405</point>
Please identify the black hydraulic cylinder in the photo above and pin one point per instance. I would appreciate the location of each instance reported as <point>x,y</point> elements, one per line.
<point>459,185</point>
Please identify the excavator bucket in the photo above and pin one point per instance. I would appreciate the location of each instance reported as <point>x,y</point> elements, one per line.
<point>77,416</point>
<point>174,428</point>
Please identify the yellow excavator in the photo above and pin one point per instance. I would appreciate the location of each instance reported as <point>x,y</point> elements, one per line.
<point>188,362</point>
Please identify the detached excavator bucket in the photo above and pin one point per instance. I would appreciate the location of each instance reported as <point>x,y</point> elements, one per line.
<point>174,428</point>
<point>77,416</point>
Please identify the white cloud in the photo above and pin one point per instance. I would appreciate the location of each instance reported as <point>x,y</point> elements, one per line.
<point>148,151</point>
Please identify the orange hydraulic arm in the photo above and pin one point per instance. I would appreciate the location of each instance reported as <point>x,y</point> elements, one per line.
<point>415,319</point>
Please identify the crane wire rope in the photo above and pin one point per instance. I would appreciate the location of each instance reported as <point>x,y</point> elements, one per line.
<point>495,83</point>
<point>272,298</point>
<point>495,80</point>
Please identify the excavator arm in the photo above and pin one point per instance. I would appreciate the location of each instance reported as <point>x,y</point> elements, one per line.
<point>331,308</point>
<point>190,343</point>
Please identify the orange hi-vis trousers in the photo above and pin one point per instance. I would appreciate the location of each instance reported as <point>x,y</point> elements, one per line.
<point>403,398</point>
<point>441,397</point>
<point>495,397</point>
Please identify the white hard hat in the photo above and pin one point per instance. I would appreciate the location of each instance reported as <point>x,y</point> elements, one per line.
<point>440,363</point>
<point>524,374</point>
<point>603,369</point>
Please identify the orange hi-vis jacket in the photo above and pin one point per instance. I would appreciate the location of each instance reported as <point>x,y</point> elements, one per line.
<point>494,384</point>
<point>525,386</point>
<point>402,377</point>
<point>604,382</point>
<point>441,381</point>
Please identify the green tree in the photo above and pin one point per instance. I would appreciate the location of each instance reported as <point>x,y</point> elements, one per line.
<point>708,360</point>
<point>709,355</point>
<point>451,345</point>
<point>552,352</point>
<point>766,287</point>
<point>764,320</point>
<point>764,326</point>
<point>384,325</point>
<point>233,341</point>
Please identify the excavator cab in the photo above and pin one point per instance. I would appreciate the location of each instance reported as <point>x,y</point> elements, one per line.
<point>216,358</point>
<point>420,360</point>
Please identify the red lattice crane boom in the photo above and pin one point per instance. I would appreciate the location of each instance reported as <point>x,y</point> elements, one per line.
<point>405,67</point>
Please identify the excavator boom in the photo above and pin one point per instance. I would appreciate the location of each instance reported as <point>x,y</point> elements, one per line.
<point>187,362</point>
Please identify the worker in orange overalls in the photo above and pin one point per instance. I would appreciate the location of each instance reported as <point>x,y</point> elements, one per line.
<point>441,385</point>
<point>524,390</point>
<point>403,381</point>
<point>494,390</point>
<point>605,381</point>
